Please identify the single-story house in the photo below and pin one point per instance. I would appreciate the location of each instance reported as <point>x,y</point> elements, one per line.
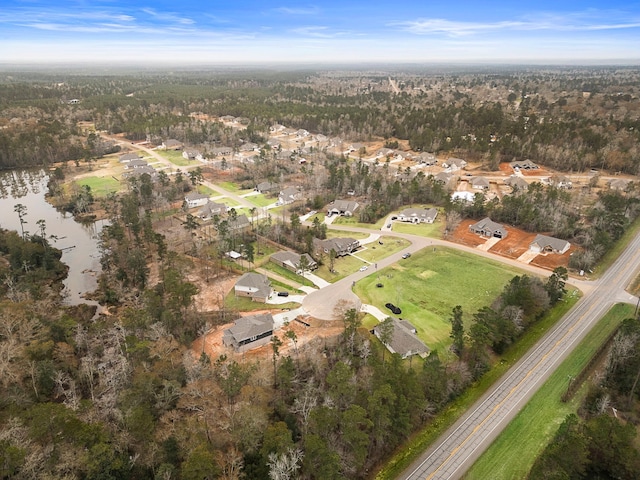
<point>273,143</point>
<point>127,157</point>
<point>543,243</point>
<point>249,332</point>
<point>341,245</point>
<point>249,147</point>
<point>619,184</point>
<point>560,181</point>
<point>488,228</point>
<point>253,285</point>
<point>463,196</point>
<point>276,127</point>
<point>291,261</point>
<point>137,163</point>
<point>356,147</point>
<point>427,159</point>
<point>222,151</point>
<point>267,187</point>
<point>453,164</point>
<point>515,181</point>
<point>524,165</point>
<point>171,144</point>
<point>191,155</point>
<point>443,177</point>
<point>480,183</point>
<point>404,340</point>
<point>212,208</point>
<point>240,222</point>
<point>138,172</point>
<point>418,215</point>
<point>289,195</point>
<point>342,207</point>
<point>384,152</point>
<point>196,199</point>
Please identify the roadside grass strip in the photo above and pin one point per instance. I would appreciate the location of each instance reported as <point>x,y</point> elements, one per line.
<point>513,453</point>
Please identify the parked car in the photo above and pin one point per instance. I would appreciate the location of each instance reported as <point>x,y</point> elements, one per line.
<point>363,268</point>
<point>406,255</point>
<point>283,294</point>
<point>393,308</point>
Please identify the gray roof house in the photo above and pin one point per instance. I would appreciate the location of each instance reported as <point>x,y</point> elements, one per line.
<point>443,177</point>
<point>136,163</point>
<point>619,183</point>
<point>404,340</point>
<point>341,245</point>
<point>543,243</point>
<point>289,195</point>
<point>239,223</point>
<point>524,165</point>
<point>196,199</point>
<point>342,207</point>
<point>171,144</point>
<point>427,158</point>
<point>249,332</point>
<point>418,215</point>
<point>560,181</point>
<point>515,181</point>
<point>480,183</point>
<point>127,157</point>
<point>137,172</point>
<point>453,164</point>
<point>488,228</point>
<point>267,187</point>
<point>253,285</point>
<point>212,208</point>
<point>291,261</point>
<point>191,154</point>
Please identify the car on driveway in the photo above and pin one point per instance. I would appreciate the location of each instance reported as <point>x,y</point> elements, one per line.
<point>406,255</point>
<point>363,268</point>
<point>283,294</point>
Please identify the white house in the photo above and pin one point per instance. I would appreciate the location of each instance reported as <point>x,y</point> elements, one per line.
<point>196,199</point>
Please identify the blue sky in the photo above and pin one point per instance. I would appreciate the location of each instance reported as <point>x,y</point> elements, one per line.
<point>349,32</point>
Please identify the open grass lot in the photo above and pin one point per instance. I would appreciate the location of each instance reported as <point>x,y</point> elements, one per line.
<point>343,266</point>
<point>100,186</point>
<point>176,158</point>
<point>207,191</point>
<point>260,200</point>
<point>374,252</point>
<point>288,274</point>
<point>245,304</point>
<point>353,222</point>
<point>431,230</point>
<point>343,233</point>
<point>233,187</point>
<point>430,283</point>
<point>539,420</point>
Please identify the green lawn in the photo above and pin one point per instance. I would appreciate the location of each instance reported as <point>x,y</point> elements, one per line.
<point>342,233</point>
<point>374,252</point>
<point>260,200</point>
<point>232,187</point>
<point>353,222</point>
<point>100,186</point>
<point>432,230</point>
<point>283,272</point>
<point>175,157</point>
<point>430,283</point>
<point>539,420</point>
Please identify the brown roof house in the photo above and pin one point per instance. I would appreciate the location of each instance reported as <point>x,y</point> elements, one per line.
<point>249,332</point>
<point>341,245</point>
<point>404,340</point>
<point>291,261</point>
<point>543,243</point>
<point>488,228</point>
<point>418,215</point>
<point>253,285</point>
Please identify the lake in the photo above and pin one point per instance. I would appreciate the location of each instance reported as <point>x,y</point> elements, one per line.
<point>78,242</point>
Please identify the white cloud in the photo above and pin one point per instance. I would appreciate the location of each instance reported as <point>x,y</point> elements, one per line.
<point>312,10</point>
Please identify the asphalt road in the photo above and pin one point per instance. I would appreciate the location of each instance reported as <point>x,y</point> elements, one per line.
<point>454,453</point>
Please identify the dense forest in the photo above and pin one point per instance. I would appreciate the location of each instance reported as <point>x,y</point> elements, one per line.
<point>567,119</point>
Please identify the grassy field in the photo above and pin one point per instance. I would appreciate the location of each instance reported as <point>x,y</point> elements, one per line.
<point>100,186</point>
<point>374,252</point>
<point>353,222</point>
<point>175,157</point>
<point>430,283</point>
<point>343,233</point>
<point>288,274</point>
<point>432,230</point>
<point>260,200</point>
<point>539,420</point>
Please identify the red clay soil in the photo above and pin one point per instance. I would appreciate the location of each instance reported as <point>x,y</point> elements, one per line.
<point>515,244</point>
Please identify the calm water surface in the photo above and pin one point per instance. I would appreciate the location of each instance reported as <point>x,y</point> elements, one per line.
<point>79,243</point>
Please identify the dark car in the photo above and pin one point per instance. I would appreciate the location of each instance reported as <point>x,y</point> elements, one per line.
<point>283,294</point>
<point>393,308</point>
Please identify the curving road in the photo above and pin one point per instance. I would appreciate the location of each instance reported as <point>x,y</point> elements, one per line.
<point>465,441</point>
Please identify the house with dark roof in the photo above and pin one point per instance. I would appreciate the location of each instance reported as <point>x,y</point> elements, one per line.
<point>345,208</point>
<point>488,228</point>
<point>136,163</point>
<point>267,187</point>
<point>249,332</point>
<point>138,172</point>
<point>291,261</point>
<point>443,177</point>
<point>210,209</point>
<point>240,222</point>
<point>253,285</point>
<point>404,339</point>
<point>341,245</point>
<point>524,165</point>
<point>196,199</point>
<point>543,243</point>
<point>418,215</point>
<point>127,157</point>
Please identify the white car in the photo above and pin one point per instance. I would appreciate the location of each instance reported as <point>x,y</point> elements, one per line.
<point>363,268</point>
